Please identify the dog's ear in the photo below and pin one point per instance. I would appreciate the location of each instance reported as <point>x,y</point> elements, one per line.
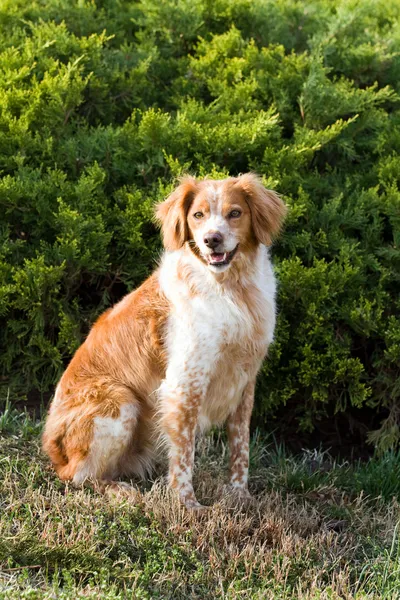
<point>267,209</point>
<point>172,214</point>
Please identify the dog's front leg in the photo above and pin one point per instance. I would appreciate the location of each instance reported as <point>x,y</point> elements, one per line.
<point>238,427</point>
<point>180,411</point>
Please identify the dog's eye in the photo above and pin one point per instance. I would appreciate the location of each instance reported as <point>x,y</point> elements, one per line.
<point>234,214</point>
<point>198,215</point>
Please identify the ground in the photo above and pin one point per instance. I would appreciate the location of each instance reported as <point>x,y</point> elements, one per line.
<point>316,529</point>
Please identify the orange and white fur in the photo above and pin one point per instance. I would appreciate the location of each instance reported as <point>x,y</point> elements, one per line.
<point>180,353</point>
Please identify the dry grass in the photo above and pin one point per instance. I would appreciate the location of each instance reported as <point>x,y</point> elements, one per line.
<point>317,538</point>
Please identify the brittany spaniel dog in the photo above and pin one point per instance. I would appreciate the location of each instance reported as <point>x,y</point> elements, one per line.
<point>181,352</point>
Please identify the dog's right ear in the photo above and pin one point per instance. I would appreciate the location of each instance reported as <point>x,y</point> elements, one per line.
<point>172,214</point>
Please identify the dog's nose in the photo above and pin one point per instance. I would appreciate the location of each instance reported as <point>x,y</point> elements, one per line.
<point>213,239</point>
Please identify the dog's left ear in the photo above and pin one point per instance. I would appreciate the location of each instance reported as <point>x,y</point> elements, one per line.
<point>267,209</point>
<point>172,214</point>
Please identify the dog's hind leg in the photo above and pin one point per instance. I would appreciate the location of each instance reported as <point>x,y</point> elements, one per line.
<point>93,434</point>
<point>112,436</point>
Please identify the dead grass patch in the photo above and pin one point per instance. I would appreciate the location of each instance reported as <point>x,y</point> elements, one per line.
<point>320,542</point>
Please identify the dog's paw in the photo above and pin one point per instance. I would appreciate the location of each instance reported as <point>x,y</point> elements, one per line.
<point>117,489</point>
<point>190,502</point>
<point>194,505</point>
<point>236,495</point>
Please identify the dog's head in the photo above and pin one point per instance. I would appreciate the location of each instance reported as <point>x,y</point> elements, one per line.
<point>220,219</point>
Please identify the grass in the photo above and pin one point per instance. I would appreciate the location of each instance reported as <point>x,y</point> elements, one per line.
<point>316,529</point>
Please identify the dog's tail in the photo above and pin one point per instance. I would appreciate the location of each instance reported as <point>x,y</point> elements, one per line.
<point>53,446</point>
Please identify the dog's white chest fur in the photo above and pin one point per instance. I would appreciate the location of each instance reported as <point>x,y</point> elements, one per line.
<point>217,336</point>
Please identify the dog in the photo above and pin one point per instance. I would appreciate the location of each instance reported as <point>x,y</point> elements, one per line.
<point>181,352</point>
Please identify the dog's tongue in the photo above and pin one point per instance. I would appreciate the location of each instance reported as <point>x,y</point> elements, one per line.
<point>217,257</point>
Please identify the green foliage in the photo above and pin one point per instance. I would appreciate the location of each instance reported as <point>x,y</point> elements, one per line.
<point>103,104</point>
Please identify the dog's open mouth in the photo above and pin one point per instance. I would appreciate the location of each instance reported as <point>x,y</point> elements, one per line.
<point>217,259</point>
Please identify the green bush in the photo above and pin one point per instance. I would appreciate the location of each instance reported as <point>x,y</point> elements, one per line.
<point>103,104</point>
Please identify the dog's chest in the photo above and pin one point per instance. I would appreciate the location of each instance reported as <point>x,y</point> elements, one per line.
<point>224,339</point>
<point>221,321</point>
<point>235,341</point>
<point>216,335</point>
